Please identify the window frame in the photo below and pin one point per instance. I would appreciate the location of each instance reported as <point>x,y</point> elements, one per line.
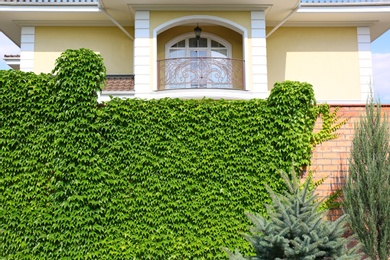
<point>187,36</point>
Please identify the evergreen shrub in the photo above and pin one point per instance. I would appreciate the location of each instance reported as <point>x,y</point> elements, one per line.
<point>367,188</point>
<point>138,179</point>
<point>295,228</point>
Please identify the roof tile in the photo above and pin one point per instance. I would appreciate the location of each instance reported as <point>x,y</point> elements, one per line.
<point>119,83</point>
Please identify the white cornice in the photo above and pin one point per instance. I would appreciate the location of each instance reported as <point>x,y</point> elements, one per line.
<point>346,4</point>
<point>197,7</point>
<point>344,9</point>
<point>49,8</point>
<point>23,23</point>
<point>324,23</point>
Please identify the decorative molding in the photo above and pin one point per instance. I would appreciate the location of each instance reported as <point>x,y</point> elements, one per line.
<point>259,54</point>
<point>27,49</point>
<point>200,19</point>
<point>324,23</point>
<point>197,7</point>
<point>50,8</point>
<point>214,94</point>
<point>142,53</point>
<point>365,62</point>
<point>183,93</point>
<point>23,23</point>
<point>202,93</point>
<point>345,9</point>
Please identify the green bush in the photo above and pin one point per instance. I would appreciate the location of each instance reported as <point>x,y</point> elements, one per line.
<point>367,187</point>
<point>147,179</point>
<point>295,228</point>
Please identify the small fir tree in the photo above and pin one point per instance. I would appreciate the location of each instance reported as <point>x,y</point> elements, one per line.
<point>367,189</point>
<point>296,229</point>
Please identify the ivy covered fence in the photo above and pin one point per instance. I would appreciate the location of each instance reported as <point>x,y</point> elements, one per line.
<point>139,179</point>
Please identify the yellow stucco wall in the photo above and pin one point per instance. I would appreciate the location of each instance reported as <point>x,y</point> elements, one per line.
<point>110,42</point>
<point>327,58</point>
<point>234,38</point>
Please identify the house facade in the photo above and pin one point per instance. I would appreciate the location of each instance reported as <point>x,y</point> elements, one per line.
<point>219,49</point>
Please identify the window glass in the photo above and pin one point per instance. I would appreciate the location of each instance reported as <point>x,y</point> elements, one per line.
<point>215,44</point>
<point>177,53</point>
<point>201,43</point>
<point>219,53</point>
<point>181,44</point>
<point>208,46</point>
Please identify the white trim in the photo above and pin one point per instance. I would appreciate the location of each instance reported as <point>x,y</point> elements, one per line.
<point>207,93</point>
<point>259,54</point>
<point>104,96</point>
<point>142,57</point>
<point>13,62</point>
<point>74,23</point>
<point>50,8</point>
<point>229,94</point>
<point>200,19</point>
<point>365,62</point>
<point>202,93</point>
<point>27,46</point>
<point>337,23</point>
<point>198,7</point>
<point>344,9</point>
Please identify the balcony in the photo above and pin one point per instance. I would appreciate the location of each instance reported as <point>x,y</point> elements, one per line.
<point>202,72</point>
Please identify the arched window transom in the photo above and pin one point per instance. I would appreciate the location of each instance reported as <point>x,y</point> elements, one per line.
<point>207,46</point>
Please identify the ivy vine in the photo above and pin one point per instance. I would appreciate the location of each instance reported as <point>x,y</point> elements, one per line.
<point>138,179</point>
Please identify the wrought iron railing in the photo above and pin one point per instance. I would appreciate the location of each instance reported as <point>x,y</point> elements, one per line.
<point>48,1</point>
<point>204,72</point>
<point>343,2</point>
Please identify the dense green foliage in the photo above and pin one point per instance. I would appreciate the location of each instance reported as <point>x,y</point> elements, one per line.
<point>367,189</point>
<point>145,179</point>
<point>295,228</point>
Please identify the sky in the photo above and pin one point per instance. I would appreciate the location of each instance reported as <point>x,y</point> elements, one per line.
<point>380,62</point>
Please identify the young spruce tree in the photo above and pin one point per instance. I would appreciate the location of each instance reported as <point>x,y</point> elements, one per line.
<point>367,189</point>
<point>296,229</point>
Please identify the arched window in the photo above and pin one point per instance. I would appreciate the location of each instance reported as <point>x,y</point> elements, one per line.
<point>208,45</point>
<point>198,63</point>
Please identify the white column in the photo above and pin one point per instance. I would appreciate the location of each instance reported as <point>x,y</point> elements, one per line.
<point>259,55</point>
<point>142,54</point>
<point>365,62</point>
<point>27,49</point>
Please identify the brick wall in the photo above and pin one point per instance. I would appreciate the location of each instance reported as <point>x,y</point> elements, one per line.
<point>330,159</point>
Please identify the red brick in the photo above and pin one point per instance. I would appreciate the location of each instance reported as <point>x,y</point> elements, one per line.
<point>339,149</point>
<point>329,155</point>
<point>323,161</point>
<point>330,167</point>
<point>339,161</point>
